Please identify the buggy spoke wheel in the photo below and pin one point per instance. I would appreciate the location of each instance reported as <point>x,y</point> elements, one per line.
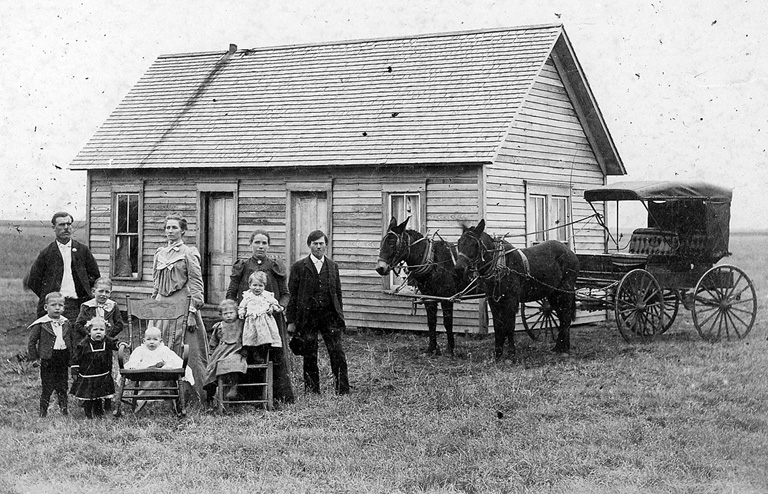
<point>671,306</point>
<point>724,304</point>
<point>539,319</point>
<point>639,306</point>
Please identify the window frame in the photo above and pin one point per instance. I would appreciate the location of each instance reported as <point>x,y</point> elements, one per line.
<point>418,189</point>
<point>118,191</point>
<point>549,191</point>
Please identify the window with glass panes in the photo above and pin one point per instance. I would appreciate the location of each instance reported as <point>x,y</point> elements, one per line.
<point>548,212</point>
<point>126,243</point>
<point>558,207</point>
<point>402,206</point>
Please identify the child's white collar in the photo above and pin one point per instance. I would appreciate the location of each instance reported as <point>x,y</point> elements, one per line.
<point>108,305</point>
<point>46,318</point>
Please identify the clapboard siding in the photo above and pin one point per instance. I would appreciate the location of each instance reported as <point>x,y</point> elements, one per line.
<point>357,213</point>
<point>545,144</point>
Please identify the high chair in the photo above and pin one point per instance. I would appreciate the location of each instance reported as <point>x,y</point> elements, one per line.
<point>259,377</point>
<point>170,316</point>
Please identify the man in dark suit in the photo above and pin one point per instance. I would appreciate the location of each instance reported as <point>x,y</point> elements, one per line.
<point>315,306</point>
<point>65,266</point>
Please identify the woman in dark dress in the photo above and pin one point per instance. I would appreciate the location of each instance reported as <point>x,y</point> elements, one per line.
<point>277,284</point>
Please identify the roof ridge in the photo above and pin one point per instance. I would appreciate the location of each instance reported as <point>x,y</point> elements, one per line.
<point>369,40</point>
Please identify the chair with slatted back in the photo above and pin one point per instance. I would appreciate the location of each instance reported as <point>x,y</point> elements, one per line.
<point>257,386</point>
<point>153,384</point>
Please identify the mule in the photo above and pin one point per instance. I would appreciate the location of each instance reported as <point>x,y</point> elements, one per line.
<point>509,276</point>
<point>431,268</point>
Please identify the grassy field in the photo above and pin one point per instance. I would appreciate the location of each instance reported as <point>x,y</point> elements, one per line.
<point>677,415</point>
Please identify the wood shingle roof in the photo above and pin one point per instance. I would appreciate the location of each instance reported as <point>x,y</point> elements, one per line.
<point>446,98</point>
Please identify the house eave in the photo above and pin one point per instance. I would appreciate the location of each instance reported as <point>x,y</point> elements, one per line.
<point>602,140</point>
<point>280,164</point>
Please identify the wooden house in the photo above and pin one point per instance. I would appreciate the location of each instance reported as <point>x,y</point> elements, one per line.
<point>452,127</point>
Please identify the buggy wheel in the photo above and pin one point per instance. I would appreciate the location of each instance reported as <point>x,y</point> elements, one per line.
<point>639,306</point>
<point>539,319</point>
<point>724,304</point>
<point>671,306</point>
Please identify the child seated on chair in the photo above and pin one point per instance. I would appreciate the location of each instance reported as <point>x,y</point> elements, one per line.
<point>155,354</point>
<point>102,306</point>
<point>92,368</point>
<point>260,328</point>
<point>226,348</point>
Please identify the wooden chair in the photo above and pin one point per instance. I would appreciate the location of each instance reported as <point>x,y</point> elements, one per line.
<point>171,318</point>
<point>259,377</point>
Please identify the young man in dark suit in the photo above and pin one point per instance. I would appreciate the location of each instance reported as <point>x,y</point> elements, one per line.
<point>315,306</point>
<point>65,266</point>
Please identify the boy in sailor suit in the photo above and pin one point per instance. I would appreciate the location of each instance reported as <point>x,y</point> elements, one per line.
<point>50,341</point>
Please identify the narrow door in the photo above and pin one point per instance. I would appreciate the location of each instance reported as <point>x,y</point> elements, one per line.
<point>219,245</point>
<point>309,212</point>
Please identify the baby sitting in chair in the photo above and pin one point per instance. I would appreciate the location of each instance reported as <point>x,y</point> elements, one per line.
<point>155,354</point>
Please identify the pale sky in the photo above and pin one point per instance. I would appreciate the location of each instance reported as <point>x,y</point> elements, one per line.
<point>682,84</point>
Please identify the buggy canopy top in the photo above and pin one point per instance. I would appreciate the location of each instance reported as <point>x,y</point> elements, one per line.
<point>697,211</point>
<point>658,191</point>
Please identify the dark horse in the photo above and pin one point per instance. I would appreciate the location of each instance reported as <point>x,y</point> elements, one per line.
<point>431,267</point>
<point>509,276</point>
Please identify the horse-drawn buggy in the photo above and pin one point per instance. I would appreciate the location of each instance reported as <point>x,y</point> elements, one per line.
<point>668,263</point>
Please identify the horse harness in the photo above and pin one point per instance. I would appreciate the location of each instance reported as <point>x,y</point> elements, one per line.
<point>498,264</point>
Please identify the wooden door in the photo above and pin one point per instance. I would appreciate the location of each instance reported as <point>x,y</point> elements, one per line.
<point>309,212</point>
<point>220,245</point>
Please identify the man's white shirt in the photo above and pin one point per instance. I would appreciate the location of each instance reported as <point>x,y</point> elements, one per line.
<point>318,262</point>
<point>67,282</point>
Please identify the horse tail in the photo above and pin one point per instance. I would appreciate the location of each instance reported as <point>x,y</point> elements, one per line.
<point>572,274</point>
<point>573,306</point>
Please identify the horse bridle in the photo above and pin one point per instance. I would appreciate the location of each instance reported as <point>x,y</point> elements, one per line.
<point>403,250</point>
<point>475,263</point>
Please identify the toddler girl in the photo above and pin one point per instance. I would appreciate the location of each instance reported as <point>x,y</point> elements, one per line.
<point>226,346</point>
<point>260,328</point>
<point>92,368</point>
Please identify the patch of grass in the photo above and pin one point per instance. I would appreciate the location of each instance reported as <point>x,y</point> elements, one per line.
<point>21,250</point>
<point>677,415</point>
